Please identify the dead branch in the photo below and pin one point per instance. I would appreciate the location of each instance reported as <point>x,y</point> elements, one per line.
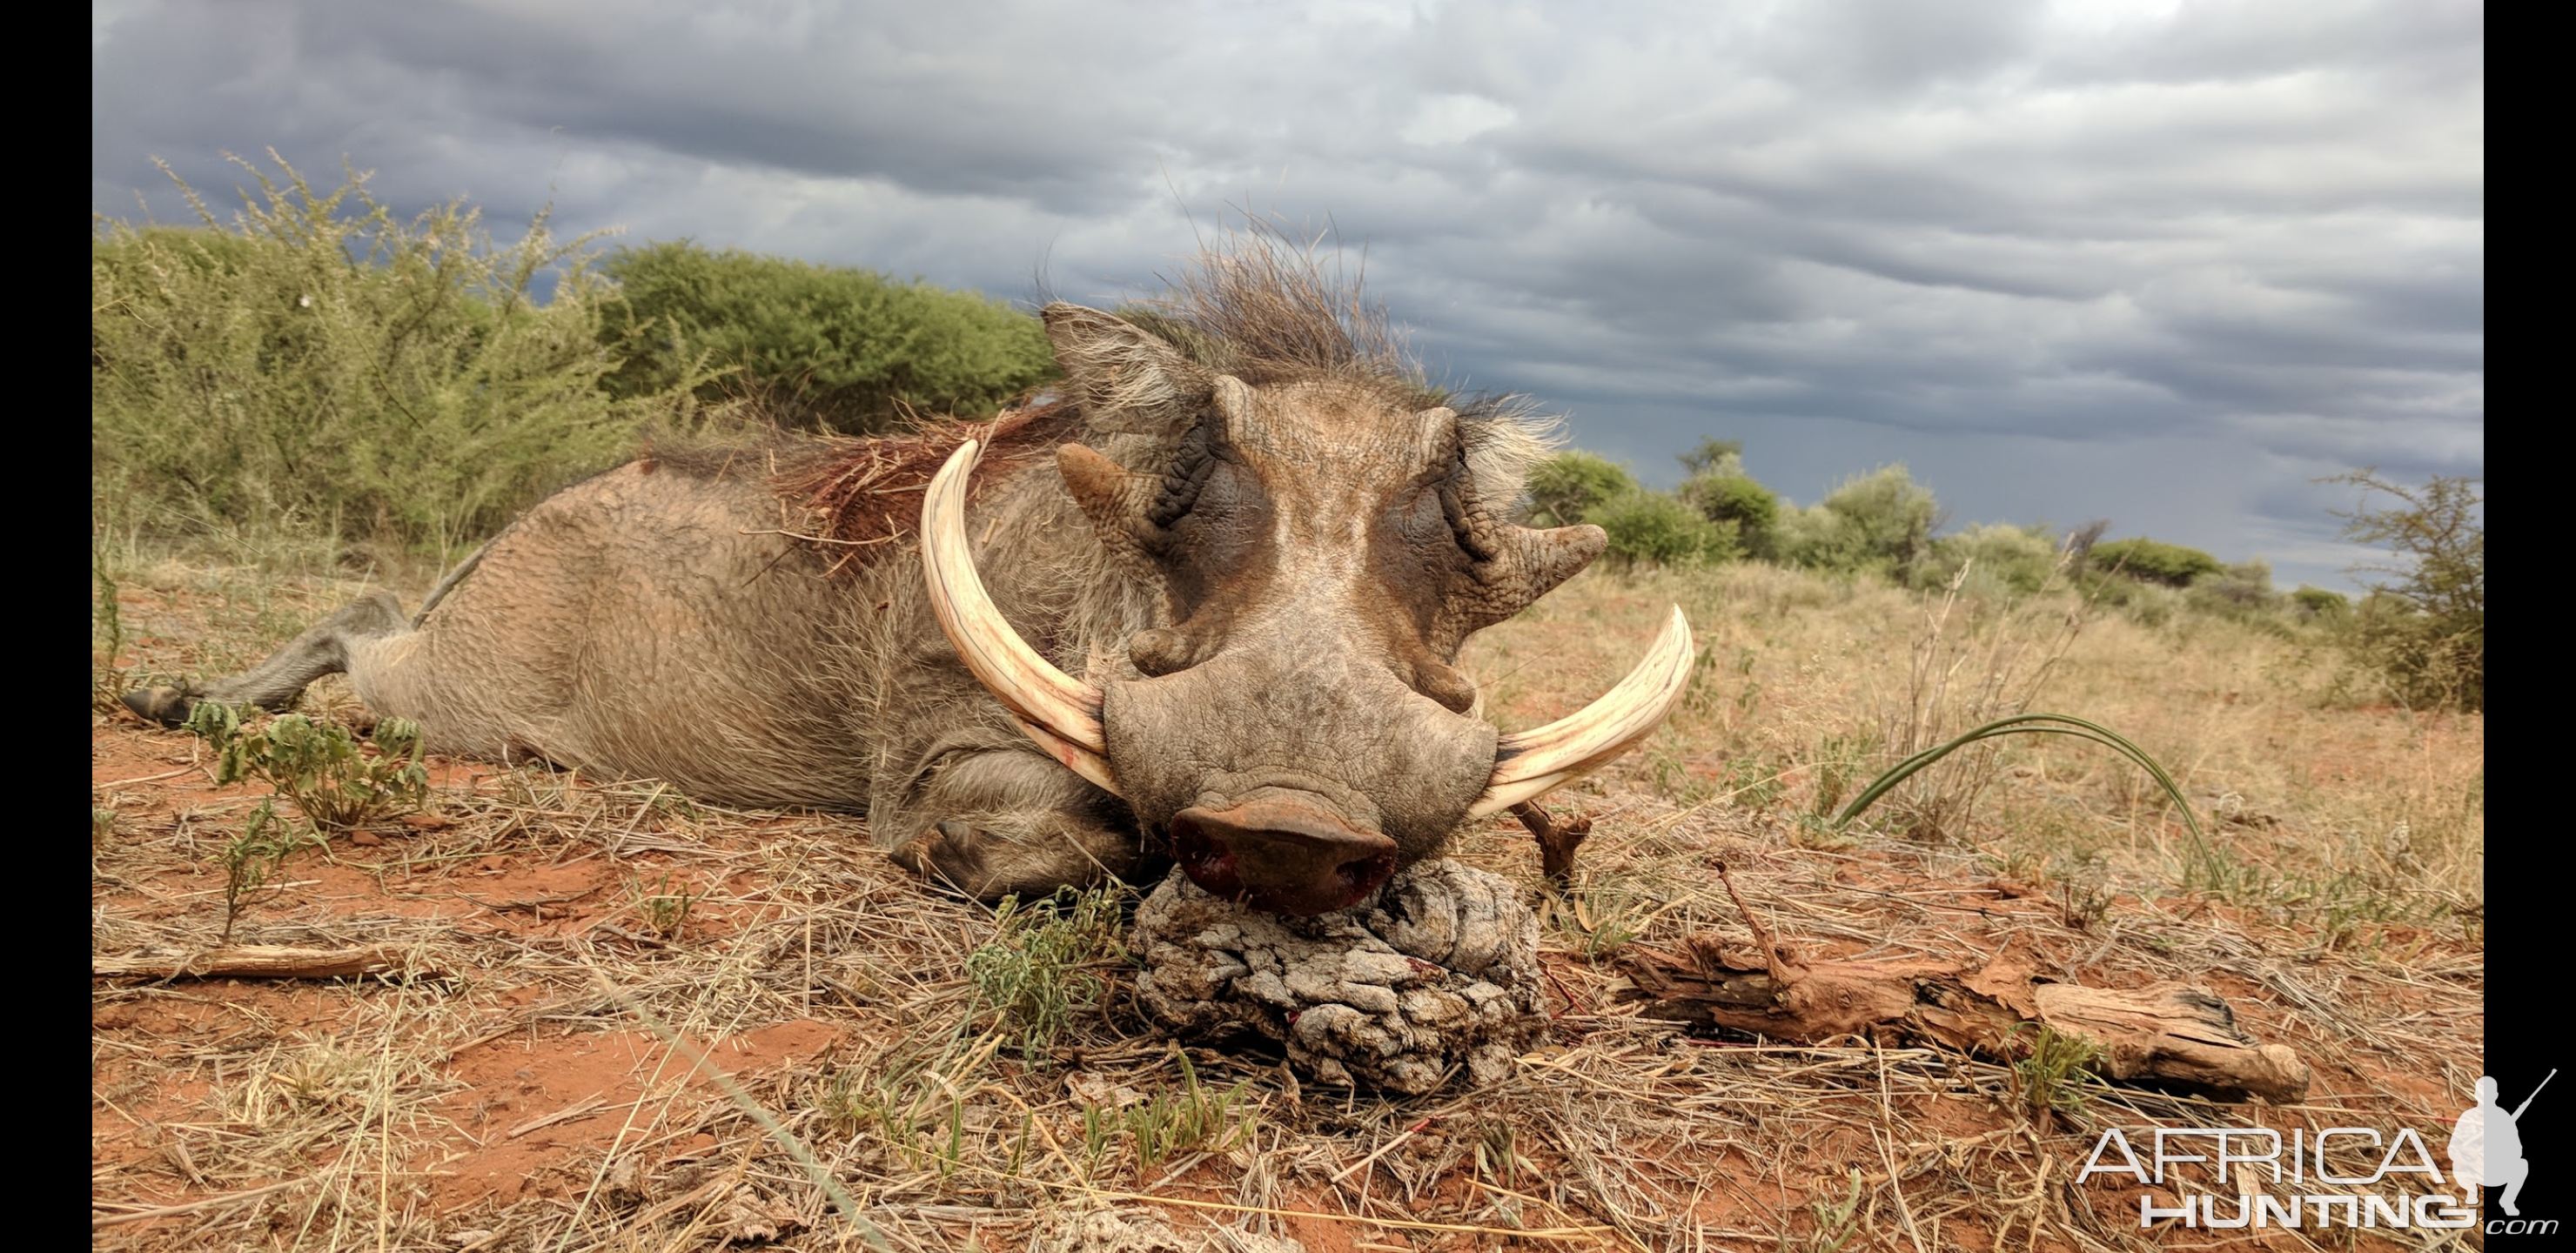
<point>2166,1034</point>
<point>260,961</point>
<point>1556,841</point>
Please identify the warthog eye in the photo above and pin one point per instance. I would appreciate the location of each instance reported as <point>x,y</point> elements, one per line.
<point>1186,477</point>
<point>1469,520</point>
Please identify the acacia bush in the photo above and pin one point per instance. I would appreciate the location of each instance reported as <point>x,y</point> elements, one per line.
<point>1723,493</point>
<point>2322,604</point>
<point>2240,590</point>
<point>1880,521</point>
<point>319,364</point>
<point>1655,528</point>
<point>2001,559</point>
<point>1565,487</point>
<point>827,347</point>
<point>2424,629</point>
<point>2152,561</point>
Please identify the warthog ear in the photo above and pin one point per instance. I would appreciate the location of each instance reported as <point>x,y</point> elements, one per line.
<point>1127,380</point>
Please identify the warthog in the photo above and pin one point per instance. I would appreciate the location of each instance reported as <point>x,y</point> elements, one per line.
<point>1243,521</point>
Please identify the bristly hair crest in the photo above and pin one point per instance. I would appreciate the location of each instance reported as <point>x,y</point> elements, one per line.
<point>1262,306</point>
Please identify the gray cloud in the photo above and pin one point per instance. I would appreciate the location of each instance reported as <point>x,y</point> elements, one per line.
<point>2160,262</point>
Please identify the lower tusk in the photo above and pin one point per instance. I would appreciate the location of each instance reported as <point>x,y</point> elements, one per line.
<point>1058,711</point>
<point>1534,762</point>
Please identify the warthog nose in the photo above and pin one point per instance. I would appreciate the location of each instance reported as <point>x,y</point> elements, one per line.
<point>1279,853</point>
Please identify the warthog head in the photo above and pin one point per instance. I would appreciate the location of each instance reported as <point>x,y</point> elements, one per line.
<point>1298,729</point>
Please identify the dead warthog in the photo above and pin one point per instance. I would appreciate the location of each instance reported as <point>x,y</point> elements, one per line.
<point>1245,523</point>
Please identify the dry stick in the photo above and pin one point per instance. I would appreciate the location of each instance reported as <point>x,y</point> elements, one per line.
<point>1556,844</point>
<point>149,778</point>
<point>262,961</point>
<point>1772,959</point>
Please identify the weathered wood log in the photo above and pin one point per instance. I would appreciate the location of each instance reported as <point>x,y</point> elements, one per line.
<point>259,961</point>
<point>2170,1033</point>
<point>2166,1034</point>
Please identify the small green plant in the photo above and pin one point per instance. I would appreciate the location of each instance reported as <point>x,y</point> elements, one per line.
<point>1837,1219</point>
<point>256,858</point>
<point>666,910</point>
<point>1039,969</point>
<point>916,1100</point>
<point>1751,782</point>
<point>102,827</point>
<point>2054,1076</point>
<point>1498,1151</point>
<point>2083,903</point>
<point>333,781</point>
<point>1168,1124</point>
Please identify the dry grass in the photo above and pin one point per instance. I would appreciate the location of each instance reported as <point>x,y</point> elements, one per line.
<point>802,1054</point>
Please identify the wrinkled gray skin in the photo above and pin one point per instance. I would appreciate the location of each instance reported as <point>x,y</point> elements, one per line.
<point>1269,584</point>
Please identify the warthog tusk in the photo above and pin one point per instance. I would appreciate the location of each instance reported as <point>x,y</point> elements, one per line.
<point>1060,712</point>
<point>1533,762</point>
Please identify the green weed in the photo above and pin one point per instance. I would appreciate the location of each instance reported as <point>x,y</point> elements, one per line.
<point>335,782</point>
<point>256,858</point>
<point>665,910</point>
<point>1170,1123</point>
<point>1039,969</point>
<point>1837,1219</point>
<point>2054,1076</point>
<point>916,1100</point>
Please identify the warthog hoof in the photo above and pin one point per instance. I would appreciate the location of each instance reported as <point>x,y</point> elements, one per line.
<point>1434,975</point>
<point>951,854</point>
<point>168,706</point>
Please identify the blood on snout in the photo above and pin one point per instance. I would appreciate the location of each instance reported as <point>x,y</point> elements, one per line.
<point>1279,851</point>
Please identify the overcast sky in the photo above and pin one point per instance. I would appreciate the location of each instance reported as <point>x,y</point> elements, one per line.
<point>2160,263</point>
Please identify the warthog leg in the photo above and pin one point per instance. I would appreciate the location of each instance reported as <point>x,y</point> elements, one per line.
<point>275,683</point>
<point>1005,821</point>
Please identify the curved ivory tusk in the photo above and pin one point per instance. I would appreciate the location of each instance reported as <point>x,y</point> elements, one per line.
<point>1533,762</point>
<point>1058,711</point>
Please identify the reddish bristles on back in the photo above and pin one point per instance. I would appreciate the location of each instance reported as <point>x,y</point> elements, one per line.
<point>868,491</point>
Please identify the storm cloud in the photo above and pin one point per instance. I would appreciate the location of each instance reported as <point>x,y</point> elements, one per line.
<point>2162,263</point>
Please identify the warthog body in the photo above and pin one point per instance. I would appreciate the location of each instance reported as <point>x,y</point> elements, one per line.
<point>1251,543</point>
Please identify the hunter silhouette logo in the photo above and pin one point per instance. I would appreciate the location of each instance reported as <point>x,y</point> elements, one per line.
<point>2486,1145</point>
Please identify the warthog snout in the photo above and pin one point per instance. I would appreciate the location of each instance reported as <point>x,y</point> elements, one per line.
<point>1281,850</point>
